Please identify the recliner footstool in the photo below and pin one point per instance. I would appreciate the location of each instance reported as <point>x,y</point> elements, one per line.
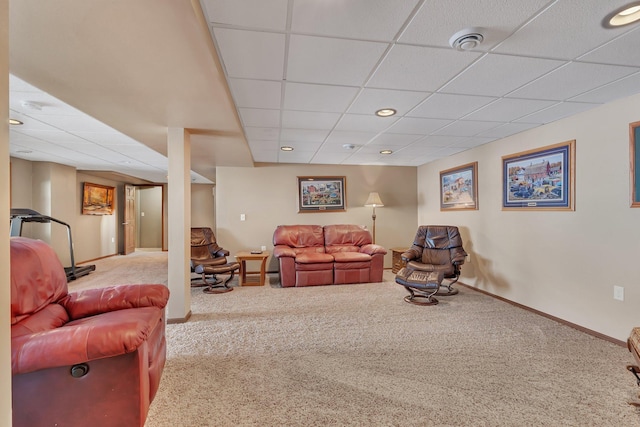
<point>217,287</point>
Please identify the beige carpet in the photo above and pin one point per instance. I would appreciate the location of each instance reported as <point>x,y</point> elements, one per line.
<point>357,355</point>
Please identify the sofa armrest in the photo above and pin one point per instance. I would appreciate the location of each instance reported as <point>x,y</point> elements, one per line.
<point>373,249</point>
<point>280,251</point>
<point>90,302</point>
<point>96,337</point>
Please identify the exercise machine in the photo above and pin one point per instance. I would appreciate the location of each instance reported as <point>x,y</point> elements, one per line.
<point>19,216</point>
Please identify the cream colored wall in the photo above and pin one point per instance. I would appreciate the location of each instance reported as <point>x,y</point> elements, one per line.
<point>561,263</point>
<point>202,206</point>
<point>267,195</point>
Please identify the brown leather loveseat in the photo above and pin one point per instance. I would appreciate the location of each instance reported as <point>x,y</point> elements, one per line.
<point>87,358</point>
<point>334,254</point>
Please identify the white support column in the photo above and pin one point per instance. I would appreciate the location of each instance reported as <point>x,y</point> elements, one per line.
<point>179,219</point>
<point>5,289</point>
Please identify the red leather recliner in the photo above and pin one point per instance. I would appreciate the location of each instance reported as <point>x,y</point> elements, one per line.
<point>88,358</point>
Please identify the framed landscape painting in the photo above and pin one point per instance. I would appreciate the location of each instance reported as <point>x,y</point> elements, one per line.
<point>459,188</point>
<point>538,179</point>
<point>634,157</point>
<point>321,194</point>
<point>97,199</point>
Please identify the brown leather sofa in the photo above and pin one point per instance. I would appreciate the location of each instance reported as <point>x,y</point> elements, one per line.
<point>311,255</point>
<point>87,358</point>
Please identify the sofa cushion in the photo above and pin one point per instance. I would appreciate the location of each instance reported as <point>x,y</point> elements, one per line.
<point>313,258</point>
<point>346,234</point>
<point>342,257</point>
<point>299,236</point>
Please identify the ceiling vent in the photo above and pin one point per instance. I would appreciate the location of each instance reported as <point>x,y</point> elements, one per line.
<point>467,39</point>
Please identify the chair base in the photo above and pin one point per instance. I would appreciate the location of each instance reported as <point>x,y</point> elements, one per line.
<point>421,299</point>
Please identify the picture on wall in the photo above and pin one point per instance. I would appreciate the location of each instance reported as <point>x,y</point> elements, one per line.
<point>459,188</point>
<point>321,194</point>
<point>97,199</point>
<point>634,157</point>
<point>540,179</point>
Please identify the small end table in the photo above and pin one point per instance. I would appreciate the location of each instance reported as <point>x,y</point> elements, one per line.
<point>242,257</point>
<point>397,262</point>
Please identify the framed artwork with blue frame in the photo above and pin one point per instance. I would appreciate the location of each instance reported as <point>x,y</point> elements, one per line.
<point>540,179</point>
<point>634,157</point>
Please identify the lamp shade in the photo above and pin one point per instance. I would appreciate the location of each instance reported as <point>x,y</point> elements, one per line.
<point>373,200</point>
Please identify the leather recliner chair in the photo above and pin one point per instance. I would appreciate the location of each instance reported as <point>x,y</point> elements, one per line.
<point>87,358</point>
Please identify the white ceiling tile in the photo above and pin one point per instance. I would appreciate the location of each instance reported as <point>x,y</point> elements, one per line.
<point>308,97</point>
<point>295,156</point>
<point>361,19</point>
<point>449,106</point>
<point>329,158</point>
<point>256,93</point>
<point>419,68</point>
<point>466,128</point>
<point>365,123</point>
<point>618,89</point>
<point>497,75</point>
<point>553,34</point>
<point>506,109</point>
<point>558,111</point>
<point>258,117</point>
<point>417,125</point>
<point>331,61</point>
<point>311,135</point>
<point>309,120</point>
<point>265,156</point>
<point>394,139</point>
<point>55,136</point>
<point>349,137</point>
<point>450,151</point>
<point>621,51</point>
<point>266,134</point>
<point>109,138</point>
<point>270,14</point>
<point>571,80</point>
<point>371,100</point>
<point>437,21</point>
<point>473,141</point>
<point>251,54</point>
<point>263,145</point>
<point>440,140</point>
<point>507,129</point>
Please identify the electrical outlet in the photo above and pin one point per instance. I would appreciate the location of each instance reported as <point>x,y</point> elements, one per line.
<point>618,293</point>
<point>113,240</point>
<point>264,248</point>
<point>242,217</point>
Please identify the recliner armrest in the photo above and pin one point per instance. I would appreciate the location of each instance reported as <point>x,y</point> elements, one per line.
<point>410,255</point>
<point>458,255</point>
<point>90,302</point>
<point>280,251</point>
<point>95,337</point>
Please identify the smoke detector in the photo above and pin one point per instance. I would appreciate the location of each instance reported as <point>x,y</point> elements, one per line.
<point>348,146</point>
<point>467,39</point>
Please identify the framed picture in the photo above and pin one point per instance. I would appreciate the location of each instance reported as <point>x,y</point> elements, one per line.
<point>634,161</point>
<point>543,178</point>
<point>321,194</point>
<point>459,187</point>
<point>97,199</point>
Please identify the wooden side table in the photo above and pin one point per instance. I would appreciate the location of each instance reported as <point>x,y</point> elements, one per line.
<point>242,257</point>
<point>397,262</point>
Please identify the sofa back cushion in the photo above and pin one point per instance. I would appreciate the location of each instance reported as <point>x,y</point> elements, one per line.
<point>37,277</point>
<point>299,236</point>
<point>345,237</point>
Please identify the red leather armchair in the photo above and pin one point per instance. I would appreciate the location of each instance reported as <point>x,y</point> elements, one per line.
<point>88,358</point>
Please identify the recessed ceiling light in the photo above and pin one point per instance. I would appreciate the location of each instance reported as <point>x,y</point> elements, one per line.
<point>15,122</point>
<point>386,152</point>
<point>623,16</point>
<point>386,112</point>
<point>286,148</point>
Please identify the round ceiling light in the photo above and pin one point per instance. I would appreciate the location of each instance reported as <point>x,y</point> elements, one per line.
<point>623,16</point>
<point>15,122</point>
<point>467,39</point>
<point>286,148</point>
<point>386,112</point>
<point>386,152</point>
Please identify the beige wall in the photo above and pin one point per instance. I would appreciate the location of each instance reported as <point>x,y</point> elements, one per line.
<point>561,263</point>
<point>267,195</point>
<point>203,206</point>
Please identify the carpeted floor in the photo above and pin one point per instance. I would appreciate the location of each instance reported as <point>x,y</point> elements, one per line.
<point>357,355</point>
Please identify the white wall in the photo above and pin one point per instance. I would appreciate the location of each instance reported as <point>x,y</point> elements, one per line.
<point>267,195</point>
<point>561,263</point>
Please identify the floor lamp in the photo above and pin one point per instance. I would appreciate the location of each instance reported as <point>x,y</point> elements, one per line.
<point>374,201</point>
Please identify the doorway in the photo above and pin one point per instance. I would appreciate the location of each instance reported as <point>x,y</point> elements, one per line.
<point>148,211</point>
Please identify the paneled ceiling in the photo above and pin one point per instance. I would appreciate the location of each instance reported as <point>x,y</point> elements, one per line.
<point>248,77</point>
